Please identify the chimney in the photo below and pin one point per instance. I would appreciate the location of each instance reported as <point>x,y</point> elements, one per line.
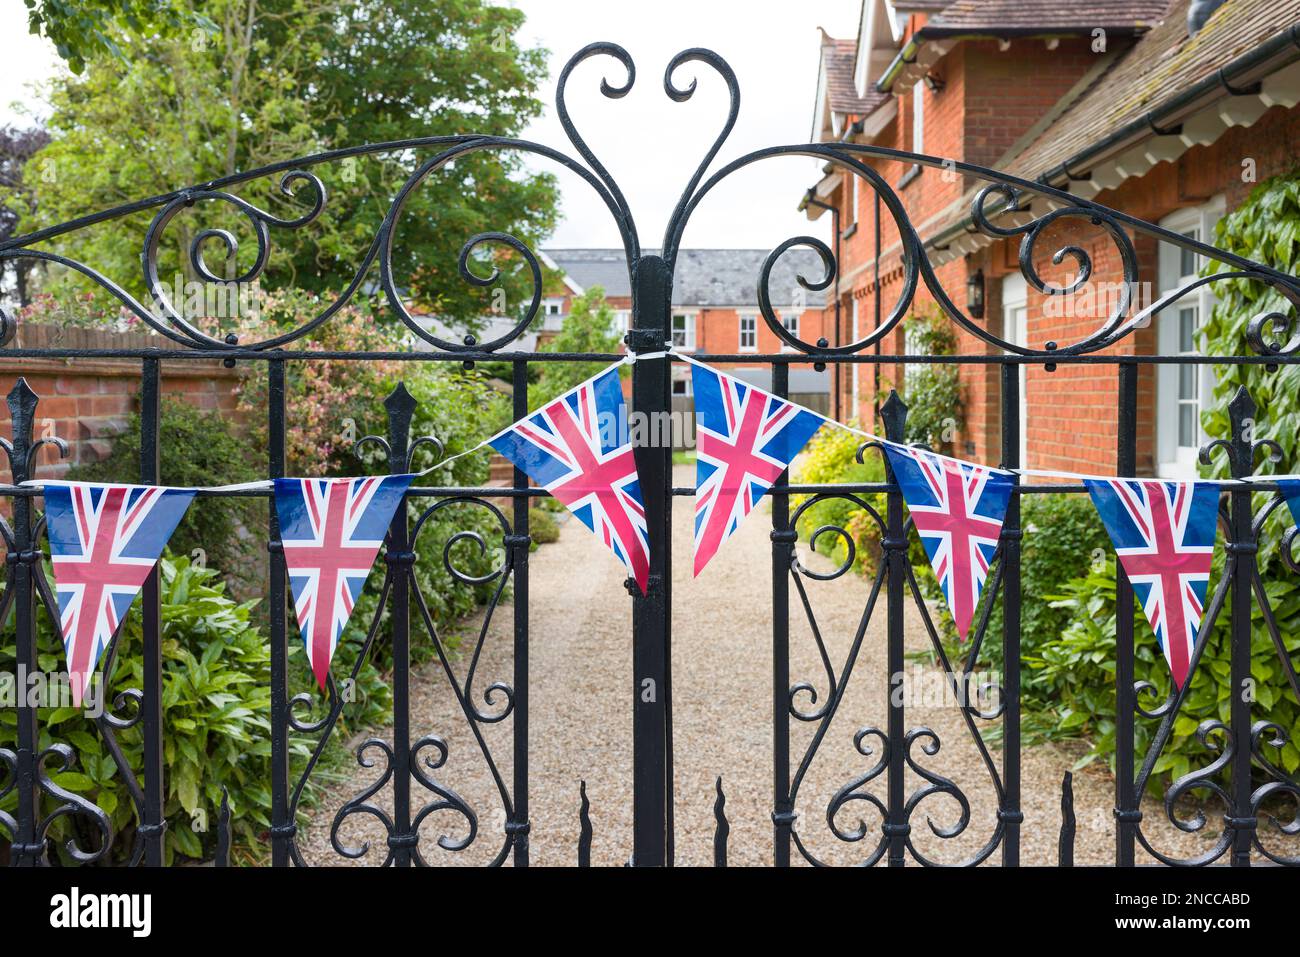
<point>1198,11</point>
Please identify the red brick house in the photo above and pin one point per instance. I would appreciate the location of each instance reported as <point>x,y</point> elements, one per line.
<point>714,309</point>
<point>1125,102</point>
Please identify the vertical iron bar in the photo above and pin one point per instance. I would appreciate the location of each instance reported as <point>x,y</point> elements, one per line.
<point>1010,814</point>
<point>1243,549</point>
<point>520,562</point>
<point>651,283</point>
<point>25,851</point>
<point>783,538</point>
<point>1127,814</point>
<point>153,827</point>
<point>400,406</point>
<point>282,826</point>
<point>895,828</point>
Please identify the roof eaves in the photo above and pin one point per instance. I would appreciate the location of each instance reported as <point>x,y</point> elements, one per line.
<point>938,33</point>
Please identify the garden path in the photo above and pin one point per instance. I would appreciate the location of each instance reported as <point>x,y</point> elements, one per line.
<point>581,693</point>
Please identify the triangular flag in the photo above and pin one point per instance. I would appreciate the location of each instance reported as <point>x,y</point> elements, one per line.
<point>958,510</point>
<point>104,541</point>
<point>578,448</point>
<point>745,438</point>
<point>1163,533</point>
<point>331,530</point>
<point>1290,489</point>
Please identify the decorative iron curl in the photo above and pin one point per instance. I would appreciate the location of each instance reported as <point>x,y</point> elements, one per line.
<point>938,784</point>
<point>1283,786</point>
<point>852,791</point>
<point>1203,779</point>
<point>9,768</point>
<point>465,535</point>
<point>72,805</point>
<point>1032,232</point>
<point>361,803</point>
<point>1290,556</point>
<point>1284,326</point>
<point>261,221</point>
<point>1208,733</point>
<point>449,800</point>
<point>799,571</point>
<point>830,268</point>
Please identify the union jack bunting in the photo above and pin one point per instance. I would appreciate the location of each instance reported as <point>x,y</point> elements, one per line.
<point>332,530</point>
<point>578,449</point>
<point>958,510</point>
<point>104,541</point>
<point>1290,489</point>
<point>745,439</point>
<point>1163,533</point>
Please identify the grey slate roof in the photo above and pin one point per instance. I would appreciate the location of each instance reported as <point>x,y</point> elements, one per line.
<point>704,277</point>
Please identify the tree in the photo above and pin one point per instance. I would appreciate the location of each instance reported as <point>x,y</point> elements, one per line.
<point>16,200</point>
<point>279,79</point>
<point>589,327</point>
<point>83,30</point>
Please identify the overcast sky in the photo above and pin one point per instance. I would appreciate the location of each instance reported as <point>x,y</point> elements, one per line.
<point>649,143</point>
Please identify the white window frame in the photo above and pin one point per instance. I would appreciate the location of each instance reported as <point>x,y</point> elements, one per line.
<point>855,186</point>
<point>552,307</point>
<point>753,321</point>
<point>1175,460</point>
<point>681,376</point>
<point>688,338</point>
<point>1015,330</point>
<point>918,117</point>
<point>791,316</point>
<point>854,312</point>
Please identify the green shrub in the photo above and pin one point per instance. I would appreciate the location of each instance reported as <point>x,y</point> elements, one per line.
<point>197,448</point>
<point>1071,681</point>
<point>1069,684</point>
<point>1063,539</point>
<point>932,391</point>
<point>542,527</point>
<point>831,458</point>
<point>216,718</point>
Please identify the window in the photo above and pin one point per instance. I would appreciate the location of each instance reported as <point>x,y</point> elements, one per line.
<point>748,333</point>
<point>791,323</point>
<point>1015,329</point>
<point>681,380</point>
<point>552,307</point>
<point>683,330</point>
<point>853,367</point>
<point>623,320</point>
<point>1182,390</point>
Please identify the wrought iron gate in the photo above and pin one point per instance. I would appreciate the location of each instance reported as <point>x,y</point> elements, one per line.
<point>1007,207</point>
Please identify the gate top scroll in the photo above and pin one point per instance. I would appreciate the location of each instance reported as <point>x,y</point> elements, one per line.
<point>1006,207</point>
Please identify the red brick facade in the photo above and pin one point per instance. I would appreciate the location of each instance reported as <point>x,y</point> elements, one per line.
<point>986,99</point>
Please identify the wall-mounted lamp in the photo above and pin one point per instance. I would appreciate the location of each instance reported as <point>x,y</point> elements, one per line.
<point>975,294</point>
<point>933,83</point>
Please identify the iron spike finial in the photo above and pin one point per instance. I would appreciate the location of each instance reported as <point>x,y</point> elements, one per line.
<point>893,411</point>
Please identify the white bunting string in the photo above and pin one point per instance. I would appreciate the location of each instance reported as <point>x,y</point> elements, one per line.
<point>670,352</point>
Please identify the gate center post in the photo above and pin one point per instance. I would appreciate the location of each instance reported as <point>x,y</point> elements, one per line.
<point>651,613</point>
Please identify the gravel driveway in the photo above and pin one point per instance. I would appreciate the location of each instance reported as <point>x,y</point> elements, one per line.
<point>581,692</point>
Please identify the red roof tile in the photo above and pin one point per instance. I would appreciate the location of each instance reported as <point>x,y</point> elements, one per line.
<point>1163,63</point>
<point>840,89</point>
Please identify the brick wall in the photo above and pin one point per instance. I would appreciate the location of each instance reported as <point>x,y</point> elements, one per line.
<point>87,402</point>
<point>990,98</point>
